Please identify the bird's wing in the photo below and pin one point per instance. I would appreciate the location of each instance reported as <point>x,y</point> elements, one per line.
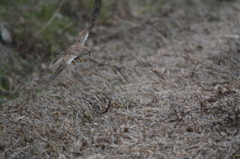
<point>83,35</point>
<point>56,60</point>
<point>61,67</point>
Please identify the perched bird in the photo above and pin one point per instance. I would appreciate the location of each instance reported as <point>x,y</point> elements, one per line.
<point>78,49</point>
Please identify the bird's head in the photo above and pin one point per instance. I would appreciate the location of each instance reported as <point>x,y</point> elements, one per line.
<point>86,51</point>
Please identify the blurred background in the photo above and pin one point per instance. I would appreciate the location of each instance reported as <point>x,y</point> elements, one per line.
<point>33,31</point>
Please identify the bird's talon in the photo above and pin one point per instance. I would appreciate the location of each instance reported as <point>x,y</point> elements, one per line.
<point>73,62</point>
<point>80,59</point>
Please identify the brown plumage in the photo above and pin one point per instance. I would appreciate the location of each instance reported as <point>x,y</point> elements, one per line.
<point>78,49</point>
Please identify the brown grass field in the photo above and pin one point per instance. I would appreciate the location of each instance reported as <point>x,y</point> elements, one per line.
<point>163,84</point>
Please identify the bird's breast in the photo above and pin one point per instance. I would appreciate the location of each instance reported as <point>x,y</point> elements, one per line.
<point>70,59</point>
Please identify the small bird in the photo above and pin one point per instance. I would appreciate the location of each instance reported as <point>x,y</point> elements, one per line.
<point>78,49</point>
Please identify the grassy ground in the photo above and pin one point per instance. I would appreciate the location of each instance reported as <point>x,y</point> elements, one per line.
<point>170,78</point>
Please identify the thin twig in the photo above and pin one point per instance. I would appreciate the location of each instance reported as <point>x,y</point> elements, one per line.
<point>52,18</point>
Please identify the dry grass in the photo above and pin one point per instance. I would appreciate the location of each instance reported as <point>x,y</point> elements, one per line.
<point>171,84</point>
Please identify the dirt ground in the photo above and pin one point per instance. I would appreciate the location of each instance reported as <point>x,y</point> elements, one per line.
<point>163,87</point>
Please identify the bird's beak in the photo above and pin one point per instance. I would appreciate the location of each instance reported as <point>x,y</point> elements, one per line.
<point>80,59</point>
